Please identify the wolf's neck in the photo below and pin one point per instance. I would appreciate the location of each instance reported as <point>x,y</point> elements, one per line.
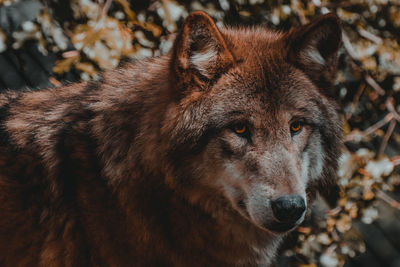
<point>163,218</point>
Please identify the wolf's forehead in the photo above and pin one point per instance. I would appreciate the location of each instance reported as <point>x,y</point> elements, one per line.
<point>263,77</point>
<point>262,62</point>
<point>251,36</point>
<point>258,90</point>
<point>266,79</point>
<point>254,42</point>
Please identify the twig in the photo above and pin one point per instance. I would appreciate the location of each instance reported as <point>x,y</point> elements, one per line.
<point>301,17</point>
<point>356,99</point>
<point>103,14</point>
<point>171,24</point>
<point>374,84</point>
<point>55,82</point>
<point>330,249</point>
<point>345,3</point>
<point>106,7</point>
<point>395,160</point>
<point>386,137</point>
<point>68,54</point>
<point>390,107</point>
<point>340,4</point>
<point>352,53</point>
<point>388,199</point>
<point>335,211</point>
<point>379,124</point>
<point>304,230</point>
<point>370,36</point>
<point>371,129</point>
<point>348,46</point>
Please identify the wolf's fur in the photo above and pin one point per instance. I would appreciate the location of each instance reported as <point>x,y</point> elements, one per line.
<point>143,168</point>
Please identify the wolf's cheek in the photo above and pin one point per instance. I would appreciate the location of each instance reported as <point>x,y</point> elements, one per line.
<point>300,140</point>
<point>237,186</point>
<point>312,158</point>
<point>233,184</point>
<point>310,153</point>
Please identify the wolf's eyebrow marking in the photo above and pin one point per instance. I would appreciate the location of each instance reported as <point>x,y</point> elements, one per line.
<point>235,112</point>
<point>232,117</point>
<point>301,110</point>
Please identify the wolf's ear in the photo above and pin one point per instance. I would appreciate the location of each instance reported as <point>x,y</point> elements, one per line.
<point>313,48</point>
<point>200,52</point>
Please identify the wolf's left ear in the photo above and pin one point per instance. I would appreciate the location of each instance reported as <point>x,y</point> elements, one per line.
<point>313,48</point>
<point>200,52</point>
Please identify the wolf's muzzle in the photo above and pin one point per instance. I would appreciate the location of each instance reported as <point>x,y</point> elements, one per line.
<point>289,208</point>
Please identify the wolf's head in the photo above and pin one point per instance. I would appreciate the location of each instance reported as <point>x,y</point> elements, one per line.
<point>252,125</point>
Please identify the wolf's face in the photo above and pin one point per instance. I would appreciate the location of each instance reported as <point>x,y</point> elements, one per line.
<point>266,144</point>
<point>253,127</point>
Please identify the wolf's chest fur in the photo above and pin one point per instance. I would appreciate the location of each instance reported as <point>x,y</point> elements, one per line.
<point>186,159</point>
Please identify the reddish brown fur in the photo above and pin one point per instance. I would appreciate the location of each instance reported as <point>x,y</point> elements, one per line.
<point>106,173</point>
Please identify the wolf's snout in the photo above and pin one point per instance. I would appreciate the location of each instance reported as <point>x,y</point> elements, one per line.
<point>289,208</point>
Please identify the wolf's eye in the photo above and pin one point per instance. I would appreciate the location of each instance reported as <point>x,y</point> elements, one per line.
<point>240,129</point>
<point>296,127</point>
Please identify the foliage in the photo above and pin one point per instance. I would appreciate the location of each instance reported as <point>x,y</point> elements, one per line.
<point>89,36</point>
<point>7,2</point>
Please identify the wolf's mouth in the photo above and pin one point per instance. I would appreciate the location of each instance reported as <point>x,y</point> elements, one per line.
<point>272,225</point>
<point>280,227</point>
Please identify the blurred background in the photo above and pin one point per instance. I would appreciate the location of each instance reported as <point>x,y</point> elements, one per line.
<point>49,43</point>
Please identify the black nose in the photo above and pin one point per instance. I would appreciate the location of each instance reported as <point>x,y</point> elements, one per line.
<point>288,208</point>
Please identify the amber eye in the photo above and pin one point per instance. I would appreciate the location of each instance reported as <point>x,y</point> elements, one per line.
<point>296,127</point>
<point>240,128</point>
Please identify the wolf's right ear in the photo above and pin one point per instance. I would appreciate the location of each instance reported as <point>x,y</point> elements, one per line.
<point>313,48</point>
<point>200,52</point>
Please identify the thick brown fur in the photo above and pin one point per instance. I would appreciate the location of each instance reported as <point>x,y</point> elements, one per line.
<point>131,170</point>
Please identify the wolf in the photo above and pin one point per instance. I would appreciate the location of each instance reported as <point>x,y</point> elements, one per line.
<point>206,156</point>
